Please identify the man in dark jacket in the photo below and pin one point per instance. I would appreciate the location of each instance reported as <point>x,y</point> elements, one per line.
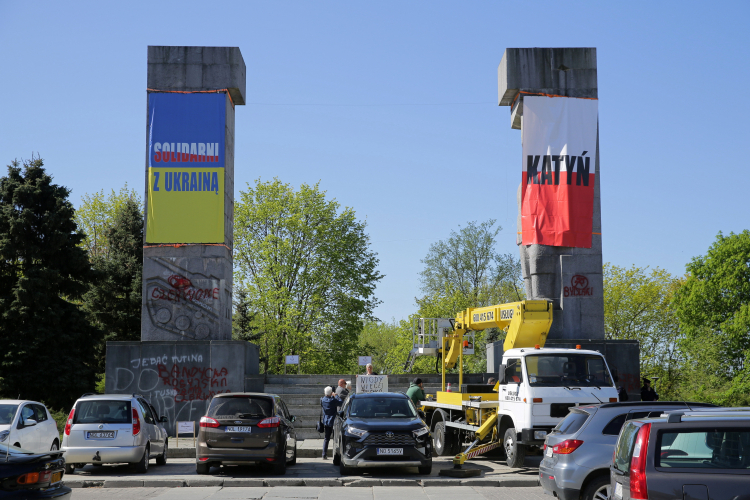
<point>330,404</point>
<point>416,392</point>
<point>647,392</point>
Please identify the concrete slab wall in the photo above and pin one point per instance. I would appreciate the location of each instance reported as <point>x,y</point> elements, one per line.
<point>179,378</point>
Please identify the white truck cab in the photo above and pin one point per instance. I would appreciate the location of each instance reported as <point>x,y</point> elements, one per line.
<point>537,386</point>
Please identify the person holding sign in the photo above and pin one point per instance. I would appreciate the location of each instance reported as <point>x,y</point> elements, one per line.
<point>369,369</point>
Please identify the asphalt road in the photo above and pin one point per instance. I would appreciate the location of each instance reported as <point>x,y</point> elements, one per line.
<point>311,493</point>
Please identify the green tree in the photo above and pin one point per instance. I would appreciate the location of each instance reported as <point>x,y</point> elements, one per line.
<point>96,216</point>
<point>114,299</point>
<point>308,272</point>
<point>637,306</point>
<point>47,340</point>
<point>466,270</point>
<point>379,339</point>
<point>713,308</point>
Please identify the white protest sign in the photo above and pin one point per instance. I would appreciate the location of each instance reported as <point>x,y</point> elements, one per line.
<point>292,359</point>
<point>185,427</point>
<point>372,383</point>
<point>364,360</point>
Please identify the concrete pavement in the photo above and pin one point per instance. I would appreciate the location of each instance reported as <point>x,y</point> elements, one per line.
<point>316,493</point>
<point>307,472</point>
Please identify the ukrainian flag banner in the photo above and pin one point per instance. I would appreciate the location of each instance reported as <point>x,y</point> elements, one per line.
<point>186,168</point>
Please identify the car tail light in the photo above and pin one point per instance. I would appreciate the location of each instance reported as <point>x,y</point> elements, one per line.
<point>269,422</point>
<point>209,422</point>
<point>136,423</point>
<point>638,487</point>
<point>69,422</point>
<point>537,400</point>
<point>29,478</point>
<point>566,447</point>
<point>203,459</point>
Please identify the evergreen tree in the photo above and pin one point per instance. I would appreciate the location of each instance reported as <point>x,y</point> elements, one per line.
<point>47,340</point>
<point>114,299</point>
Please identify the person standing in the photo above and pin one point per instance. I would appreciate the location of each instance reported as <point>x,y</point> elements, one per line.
<point>341,390</point>
<point>416,392</point>
<point>647,392</point>
<point>369,371</point>
<point>330,404</point>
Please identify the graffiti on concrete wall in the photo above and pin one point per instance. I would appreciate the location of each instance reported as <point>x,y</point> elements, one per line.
<point>186,304</point>
<point>177,386</point>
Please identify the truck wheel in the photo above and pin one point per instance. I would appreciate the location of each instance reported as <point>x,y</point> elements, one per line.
<point>444,444</point>
<point>514,453</point>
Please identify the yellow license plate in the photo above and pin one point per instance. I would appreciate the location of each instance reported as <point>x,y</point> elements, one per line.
<point>56,477</point>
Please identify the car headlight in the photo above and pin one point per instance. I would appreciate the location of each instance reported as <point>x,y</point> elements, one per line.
<point>4,435</point>
<point>421,432</point>
<point>353,431</point>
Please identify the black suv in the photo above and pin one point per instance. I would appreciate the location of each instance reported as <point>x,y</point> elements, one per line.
<point>381,429</point>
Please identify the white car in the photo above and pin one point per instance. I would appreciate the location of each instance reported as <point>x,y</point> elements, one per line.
<point>28,425</point>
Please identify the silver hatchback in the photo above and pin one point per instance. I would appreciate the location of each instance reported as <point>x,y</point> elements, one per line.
<point>577,452</point>
<point>113,428</point>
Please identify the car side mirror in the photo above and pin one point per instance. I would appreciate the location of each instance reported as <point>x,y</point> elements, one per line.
<point>163,419</point>
<point>292,418</point>
<point>501,375</point>
<point>28,422</point>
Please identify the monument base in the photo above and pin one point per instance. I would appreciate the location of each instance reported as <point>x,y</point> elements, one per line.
<point>623,358</point>
<point>179,377</point>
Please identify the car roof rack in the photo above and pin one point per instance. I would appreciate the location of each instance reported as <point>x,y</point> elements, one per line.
<point>681,404</point>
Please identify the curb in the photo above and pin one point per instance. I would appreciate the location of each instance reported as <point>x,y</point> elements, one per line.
<point>312,482</point>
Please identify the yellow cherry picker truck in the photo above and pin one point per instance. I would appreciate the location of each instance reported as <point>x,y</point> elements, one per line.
<point>536,385</point>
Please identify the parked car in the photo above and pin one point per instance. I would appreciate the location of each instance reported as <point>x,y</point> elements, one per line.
<point>578,452</point>
<point>694,455</point>
<point>26,475</point>
<point>381,429</point>
<point>114,428</point>
<point>246,428</point>
<point>28,425</point>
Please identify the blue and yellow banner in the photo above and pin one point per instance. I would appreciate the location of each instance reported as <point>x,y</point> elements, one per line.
<point>186,168</point>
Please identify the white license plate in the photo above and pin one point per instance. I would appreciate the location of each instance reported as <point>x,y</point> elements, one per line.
<point>240,429</point>
<point>390,451</point>
<point>548,451</point>
<point>618,490</point>
<point>100,435</point>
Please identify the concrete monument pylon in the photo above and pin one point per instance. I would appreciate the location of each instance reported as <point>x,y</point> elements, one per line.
<point>186,354</point>
<point>553,272</point>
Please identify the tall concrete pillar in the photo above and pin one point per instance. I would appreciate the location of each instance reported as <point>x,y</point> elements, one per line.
<point>187,283</point>
<point>547,270</point>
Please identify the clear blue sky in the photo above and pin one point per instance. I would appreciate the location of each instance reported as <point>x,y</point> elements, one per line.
<point>392,106</point>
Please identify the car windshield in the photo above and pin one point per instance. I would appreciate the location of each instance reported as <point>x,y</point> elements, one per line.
<point>102,411</point>
<point>382,407</point>
<point>240,407</point>
<point>7,412</point>
<point>567,370</point>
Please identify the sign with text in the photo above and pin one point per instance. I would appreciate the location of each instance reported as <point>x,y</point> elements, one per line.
<point>364,360</point>
<point>559,164</point>
<point>186,168</point>
<point>292,359</point>
<point>372,383</point>
<point>185,427</point>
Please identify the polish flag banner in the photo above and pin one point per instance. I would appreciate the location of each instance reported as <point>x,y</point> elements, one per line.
<point>559,158</point>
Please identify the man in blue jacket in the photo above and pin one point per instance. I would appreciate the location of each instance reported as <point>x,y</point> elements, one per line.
<point>330,404</point>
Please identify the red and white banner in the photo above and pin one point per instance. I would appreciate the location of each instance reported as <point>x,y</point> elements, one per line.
<point>559,155</point>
